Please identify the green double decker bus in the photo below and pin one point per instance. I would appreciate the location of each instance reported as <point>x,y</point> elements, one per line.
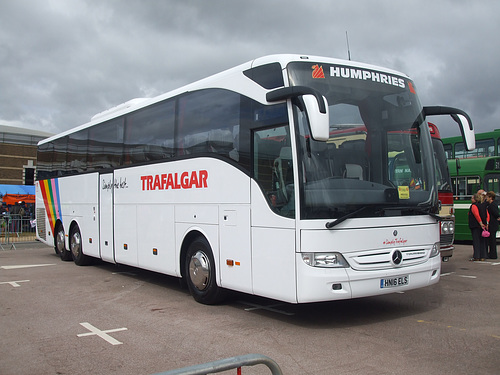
<point>467,177</point>
<point>487,144</point>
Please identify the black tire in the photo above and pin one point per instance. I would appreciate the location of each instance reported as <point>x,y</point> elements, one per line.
<point>200,273</point>
<point>75,244</point>
<point>59,244</point>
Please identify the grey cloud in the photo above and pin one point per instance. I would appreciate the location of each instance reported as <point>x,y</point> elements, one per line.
<point>62,61</point>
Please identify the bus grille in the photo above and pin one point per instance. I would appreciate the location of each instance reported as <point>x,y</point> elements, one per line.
<point>40,223</point>
<point>446,239</point>
<point>382,259</point>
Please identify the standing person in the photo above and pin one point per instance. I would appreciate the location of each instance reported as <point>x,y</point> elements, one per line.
<point>478,221</point>
<point>485,216</point>
<point>493,225</point>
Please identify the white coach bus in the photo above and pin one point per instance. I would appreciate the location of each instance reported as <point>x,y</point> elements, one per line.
<point>272,178</point>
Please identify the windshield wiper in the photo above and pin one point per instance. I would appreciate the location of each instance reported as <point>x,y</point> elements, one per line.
<point>331,224</point>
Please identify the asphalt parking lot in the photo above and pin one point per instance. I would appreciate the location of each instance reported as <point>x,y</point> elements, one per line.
<point>58,318</point>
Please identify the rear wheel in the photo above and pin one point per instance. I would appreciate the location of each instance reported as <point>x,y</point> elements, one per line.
<point>75,244</point>
<point>200,273</point>
<point>60,246</point>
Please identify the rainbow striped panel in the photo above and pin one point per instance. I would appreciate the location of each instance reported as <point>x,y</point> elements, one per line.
<point>51,200</point>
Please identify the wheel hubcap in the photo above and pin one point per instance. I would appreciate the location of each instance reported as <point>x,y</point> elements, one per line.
<point>199,270</point>
<point>75,244</point>
<point>60,241</point>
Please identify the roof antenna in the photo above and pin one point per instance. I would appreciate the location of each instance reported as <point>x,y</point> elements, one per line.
<point>348,49</point>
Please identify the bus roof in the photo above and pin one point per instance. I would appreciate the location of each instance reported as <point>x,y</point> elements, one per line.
<point>231,79</point>
<point>473,166</point>
<point>479,136</point>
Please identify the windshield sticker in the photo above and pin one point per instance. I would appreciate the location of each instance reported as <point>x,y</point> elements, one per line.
<point>318,71</point>
<point>404,192</point>
<point>366,75</point>
<point>411,88</point>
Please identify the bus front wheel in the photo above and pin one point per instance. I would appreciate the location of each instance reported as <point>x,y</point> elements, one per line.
<point>200,273</point>
<point>75,244</point>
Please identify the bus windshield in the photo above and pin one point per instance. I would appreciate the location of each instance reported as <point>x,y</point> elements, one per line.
<point>379,154</point>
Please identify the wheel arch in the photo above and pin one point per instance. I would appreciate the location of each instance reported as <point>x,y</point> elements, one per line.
<point>189,237</point>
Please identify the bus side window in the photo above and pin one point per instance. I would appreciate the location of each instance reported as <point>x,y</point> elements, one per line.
<point>106,145</point>
<point>149,132</point>
<point>209,123</point>
<point>273,170</point>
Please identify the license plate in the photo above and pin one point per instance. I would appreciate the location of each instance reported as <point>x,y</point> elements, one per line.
<point>392,282</point>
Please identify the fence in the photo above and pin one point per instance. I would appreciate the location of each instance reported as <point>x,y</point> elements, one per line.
<point>228,364</point>
<point>16,229</point>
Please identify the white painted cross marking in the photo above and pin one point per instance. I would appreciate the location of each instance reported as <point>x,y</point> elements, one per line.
<point>102,334</point>
<point>25,266</point>
<point>14,283</point>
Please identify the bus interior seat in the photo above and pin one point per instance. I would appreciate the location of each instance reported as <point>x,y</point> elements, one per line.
<point>354,171</point>
<point>352,160</point>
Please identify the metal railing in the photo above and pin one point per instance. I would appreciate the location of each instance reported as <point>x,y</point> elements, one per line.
<point>16,229</point>
<point>227,364</point>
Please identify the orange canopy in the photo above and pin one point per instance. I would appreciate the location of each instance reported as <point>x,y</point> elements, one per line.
<point>12,199</point>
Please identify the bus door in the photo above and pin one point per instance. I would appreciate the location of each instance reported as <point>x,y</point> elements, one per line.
<point>106,195</point>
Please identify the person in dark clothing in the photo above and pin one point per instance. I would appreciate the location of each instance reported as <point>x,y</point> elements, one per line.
<point>478,221</point>
<point>493,225</point>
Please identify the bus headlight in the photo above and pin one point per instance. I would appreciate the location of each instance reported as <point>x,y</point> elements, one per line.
<point>325,260</point>
<point>435,250</point>
<point>447,227</point>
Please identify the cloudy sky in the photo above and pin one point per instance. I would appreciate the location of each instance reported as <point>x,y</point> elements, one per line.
<point>62,61</point>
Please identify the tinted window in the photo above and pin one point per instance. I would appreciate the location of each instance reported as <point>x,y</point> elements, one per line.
<point>106,145</point>
<point>76,158</point>
<point>268,76</point>
<point>209,122</point>
<point>149,134</point>
<point>44,161</point>
<point>59,157</point>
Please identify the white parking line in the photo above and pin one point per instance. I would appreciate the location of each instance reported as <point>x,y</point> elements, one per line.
<point>14,283</point>
<point>25,266</point>
<point>464,276</point>
<point>268,308</point>
<point>102,334</point>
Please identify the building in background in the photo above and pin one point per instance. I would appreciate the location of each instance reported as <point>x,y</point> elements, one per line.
<point>18,147</point>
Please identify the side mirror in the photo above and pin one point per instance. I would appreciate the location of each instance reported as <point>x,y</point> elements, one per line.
<point>468,135</point>
<point>316,108</point>
<point>461,118</point>
<point>318,121</point>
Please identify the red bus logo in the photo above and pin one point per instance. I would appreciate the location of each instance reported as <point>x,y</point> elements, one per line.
<point>318,71</point>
